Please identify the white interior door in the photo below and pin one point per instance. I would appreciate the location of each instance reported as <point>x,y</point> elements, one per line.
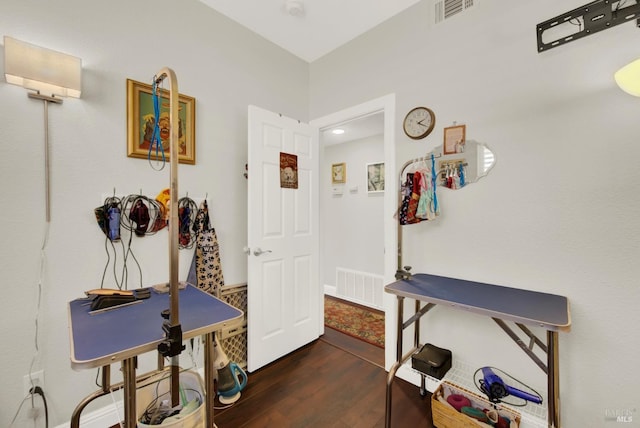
<point>282,286</point>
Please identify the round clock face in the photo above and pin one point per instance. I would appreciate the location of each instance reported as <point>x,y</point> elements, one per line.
<point>419,123</point>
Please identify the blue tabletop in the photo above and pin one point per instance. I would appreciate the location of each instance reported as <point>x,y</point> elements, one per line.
<point>106,337</point>
<point>528,307</point>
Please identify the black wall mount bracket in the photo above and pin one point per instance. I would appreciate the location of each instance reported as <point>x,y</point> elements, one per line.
<point>591,18</point>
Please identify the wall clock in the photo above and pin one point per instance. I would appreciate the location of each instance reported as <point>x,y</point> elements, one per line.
<point>419,123</point>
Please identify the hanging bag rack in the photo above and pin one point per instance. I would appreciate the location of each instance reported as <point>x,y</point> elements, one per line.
<point>402,272</point>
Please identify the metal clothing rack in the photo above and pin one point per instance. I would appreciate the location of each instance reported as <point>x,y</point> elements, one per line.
<point>402,272</point>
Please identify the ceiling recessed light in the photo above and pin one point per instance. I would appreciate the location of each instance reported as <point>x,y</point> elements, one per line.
<point>338,131</point>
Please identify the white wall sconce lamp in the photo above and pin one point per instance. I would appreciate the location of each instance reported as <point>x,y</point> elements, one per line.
<point>50,74</point>
<point>628,78</point>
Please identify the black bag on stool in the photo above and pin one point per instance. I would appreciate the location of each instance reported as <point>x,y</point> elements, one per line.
<point>432,361</point>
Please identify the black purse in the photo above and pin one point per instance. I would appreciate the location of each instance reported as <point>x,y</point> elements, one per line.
<point>432,361</point>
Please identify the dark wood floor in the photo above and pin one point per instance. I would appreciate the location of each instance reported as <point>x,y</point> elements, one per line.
<point>336,381</point>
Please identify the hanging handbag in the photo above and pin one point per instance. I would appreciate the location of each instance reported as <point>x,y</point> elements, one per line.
<point>206,260</point>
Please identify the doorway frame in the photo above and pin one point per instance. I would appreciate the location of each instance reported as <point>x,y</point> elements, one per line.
<point>387,105</point>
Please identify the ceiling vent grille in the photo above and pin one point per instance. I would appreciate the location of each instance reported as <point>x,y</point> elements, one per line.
<point>445,9</point>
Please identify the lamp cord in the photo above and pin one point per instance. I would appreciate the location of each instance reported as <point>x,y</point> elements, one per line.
<point>34,388</point>
<point>43,259</point>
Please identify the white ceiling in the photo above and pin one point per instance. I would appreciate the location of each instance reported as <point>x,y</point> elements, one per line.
<point>323,26</point>
<point>356,129</point>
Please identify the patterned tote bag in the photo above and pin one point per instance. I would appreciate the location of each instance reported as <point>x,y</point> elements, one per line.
<point>206,260</point>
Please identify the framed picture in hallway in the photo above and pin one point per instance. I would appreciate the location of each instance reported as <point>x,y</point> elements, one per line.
<point>375,177</point>
<point>338,173</point>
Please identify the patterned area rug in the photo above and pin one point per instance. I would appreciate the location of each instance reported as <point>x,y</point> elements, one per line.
<point>355,321</point>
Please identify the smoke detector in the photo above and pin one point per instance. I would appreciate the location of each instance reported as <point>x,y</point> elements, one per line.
<point>294,8</point>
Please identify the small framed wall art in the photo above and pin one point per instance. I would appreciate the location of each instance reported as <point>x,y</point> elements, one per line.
<point>141,122</point>
<point>288,170</point>
<point>375,177</point>
<point>454,138</point>
<point>339,173</point>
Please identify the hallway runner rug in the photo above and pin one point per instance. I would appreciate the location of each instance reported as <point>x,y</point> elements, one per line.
<point>354,320</point>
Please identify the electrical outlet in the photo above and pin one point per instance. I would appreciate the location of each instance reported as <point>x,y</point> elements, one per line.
<point>33,380</point>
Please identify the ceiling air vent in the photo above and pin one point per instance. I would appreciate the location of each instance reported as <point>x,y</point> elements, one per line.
<point>445,9</point>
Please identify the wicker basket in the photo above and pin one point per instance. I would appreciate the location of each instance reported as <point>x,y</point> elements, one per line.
<point>158,388</point>
<point>445,416</point>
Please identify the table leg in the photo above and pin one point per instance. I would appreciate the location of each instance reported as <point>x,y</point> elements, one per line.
<point>129,377</point>
<point>398,363</point>
<point>106,388</point>
<point>553,381</point>
<point>210,394</point>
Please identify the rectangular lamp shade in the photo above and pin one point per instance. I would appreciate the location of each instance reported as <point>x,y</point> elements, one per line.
<point>44,70</point>
<point>628,78</point>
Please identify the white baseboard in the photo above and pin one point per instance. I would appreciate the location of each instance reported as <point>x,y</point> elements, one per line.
<point>101,418</point>
<point>330,290</point>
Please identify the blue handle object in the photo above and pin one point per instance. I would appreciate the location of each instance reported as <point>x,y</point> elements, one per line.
<point>155,137</point>
<point>236,369</point>
<point>495,388</point>
<point>524,395</point>
<point>113,214</point>
<point>235,384</point>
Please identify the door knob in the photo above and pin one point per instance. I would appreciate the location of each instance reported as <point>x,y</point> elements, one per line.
<point>247,251</point>
<point>258,251</point>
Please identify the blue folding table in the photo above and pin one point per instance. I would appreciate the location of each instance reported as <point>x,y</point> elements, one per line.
<point>523,307</point>
<point>101,338</point>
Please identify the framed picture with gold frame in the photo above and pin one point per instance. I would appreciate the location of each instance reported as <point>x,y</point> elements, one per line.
<point>454,138</point>
<point>141,122</point>
<point>338,173</point>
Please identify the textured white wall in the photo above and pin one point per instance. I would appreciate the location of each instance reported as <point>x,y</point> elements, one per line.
<point>558,213</point>
<point>353,222</point>
<point>222,65</point>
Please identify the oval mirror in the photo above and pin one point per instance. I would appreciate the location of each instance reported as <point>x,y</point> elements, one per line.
<point>472,161</point>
